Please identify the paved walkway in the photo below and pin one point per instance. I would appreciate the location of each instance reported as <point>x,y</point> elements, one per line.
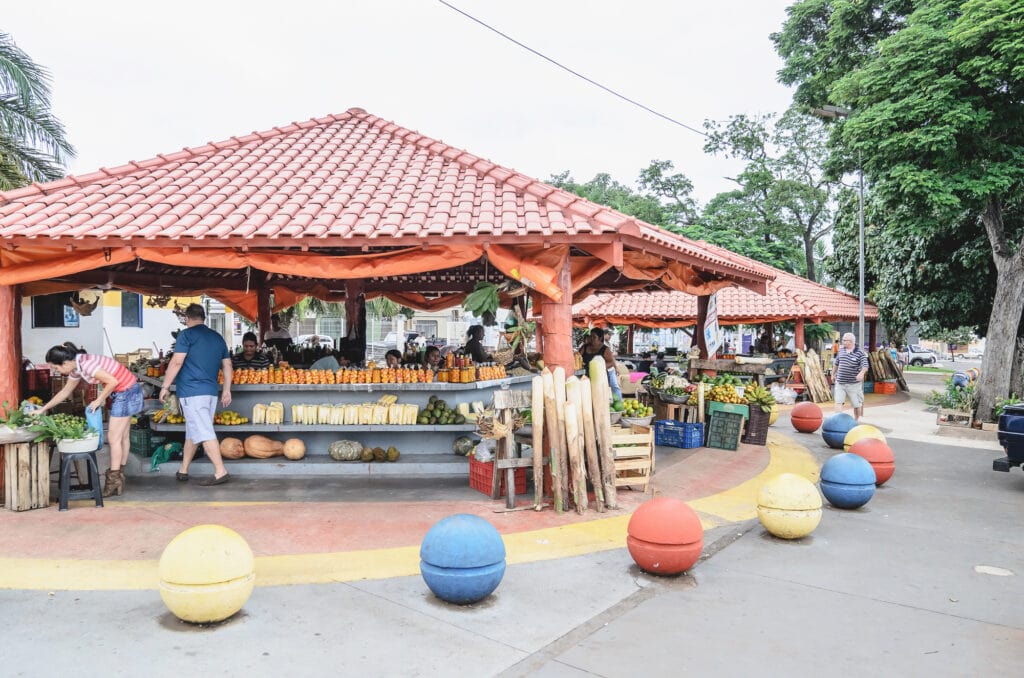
<point>313,530</point>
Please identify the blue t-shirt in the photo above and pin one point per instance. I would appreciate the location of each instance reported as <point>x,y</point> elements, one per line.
<point>204,350</point>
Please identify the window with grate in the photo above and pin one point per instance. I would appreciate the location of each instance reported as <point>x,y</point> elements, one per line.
<point>53,310</point>
<point>131,309</point>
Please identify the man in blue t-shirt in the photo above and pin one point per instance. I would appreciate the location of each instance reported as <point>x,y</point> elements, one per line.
<point>850,368</point>
<point>199,354</point>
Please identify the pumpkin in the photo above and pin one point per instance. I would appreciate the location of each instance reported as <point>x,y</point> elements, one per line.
<point>262,447</point>
<point>345,450</point>
<point>294,448</point>
<point>463,446</point>
<point>232,448</point>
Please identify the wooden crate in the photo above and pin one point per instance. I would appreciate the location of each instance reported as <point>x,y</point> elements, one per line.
<point>26,476</point>
<point>634,456</point>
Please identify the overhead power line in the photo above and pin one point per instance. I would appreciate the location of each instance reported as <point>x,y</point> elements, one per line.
<point>575,73</point>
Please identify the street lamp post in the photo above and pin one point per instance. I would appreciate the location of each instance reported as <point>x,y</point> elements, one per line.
<point>836,112</point>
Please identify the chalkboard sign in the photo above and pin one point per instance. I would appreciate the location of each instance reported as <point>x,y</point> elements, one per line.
<point>724,430</point>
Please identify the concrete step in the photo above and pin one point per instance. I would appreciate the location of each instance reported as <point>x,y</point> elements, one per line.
<point>419,465</point>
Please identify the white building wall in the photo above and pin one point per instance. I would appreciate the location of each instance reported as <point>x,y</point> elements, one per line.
<point>102,333</point>
<point>35,342</point>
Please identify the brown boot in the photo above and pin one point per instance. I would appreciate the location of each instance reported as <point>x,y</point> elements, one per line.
<point>114,484</point>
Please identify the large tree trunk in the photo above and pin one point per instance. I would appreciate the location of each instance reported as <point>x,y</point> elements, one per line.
<point>1001,339</point>
<point>809,257</point>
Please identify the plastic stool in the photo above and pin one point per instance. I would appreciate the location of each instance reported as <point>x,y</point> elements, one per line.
<point>89,490</point>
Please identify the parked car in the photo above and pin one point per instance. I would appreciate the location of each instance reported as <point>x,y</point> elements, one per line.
<point>917,356</point>
<point>312,339</point>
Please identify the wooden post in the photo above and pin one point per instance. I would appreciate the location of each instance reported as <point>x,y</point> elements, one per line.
<point>872,334</point>
<point>629,339</point>
<point>698,329</point>
<point>798,334</point>
<point>262,305</point>
<point>557,329</point>
<point>10,337</point>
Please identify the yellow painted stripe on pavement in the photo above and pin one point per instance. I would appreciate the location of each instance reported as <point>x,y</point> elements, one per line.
<point>733,505</point>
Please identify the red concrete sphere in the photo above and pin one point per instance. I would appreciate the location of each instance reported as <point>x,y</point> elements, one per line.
<point>665,536</point>
<point>879,455</point>
<point>806,417</point>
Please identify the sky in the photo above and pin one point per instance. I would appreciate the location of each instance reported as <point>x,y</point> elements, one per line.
<point>134,79</point>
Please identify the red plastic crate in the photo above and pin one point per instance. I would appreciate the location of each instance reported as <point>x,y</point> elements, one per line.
<point>480,474</point>
<point>888,387</point>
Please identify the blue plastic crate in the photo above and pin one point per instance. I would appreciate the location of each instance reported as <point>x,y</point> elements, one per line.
<point>678,434</point>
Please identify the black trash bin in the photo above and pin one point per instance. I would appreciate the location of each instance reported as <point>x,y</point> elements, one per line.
<point>1011,437</point>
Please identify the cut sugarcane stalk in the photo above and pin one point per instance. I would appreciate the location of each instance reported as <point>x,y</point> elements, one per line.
<point>603,424</point>
<point>551,431</point>
<point>537,416</point>
<point>590,442</point>
<point>558,375</point>
<point>574,440</point>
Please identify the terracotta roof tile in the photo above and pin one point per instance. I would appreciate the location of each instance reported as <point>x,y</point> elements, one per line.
<point>341,175</point>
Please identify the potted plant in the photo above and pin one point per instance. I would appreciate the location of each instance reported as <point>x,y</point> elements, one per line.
<point>71,433</point>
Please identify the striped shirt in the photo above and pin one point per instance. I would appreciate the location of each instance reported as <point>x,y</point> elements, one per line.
<point>87,365</point>
<point>849,365</point>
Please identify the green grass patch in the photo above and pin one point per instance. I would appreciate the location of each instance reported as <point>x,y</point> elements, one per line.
<point>928,370</point>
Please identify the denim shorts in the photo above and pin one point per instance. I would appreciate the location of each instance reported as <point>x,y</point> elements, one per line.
<point>126,403</point>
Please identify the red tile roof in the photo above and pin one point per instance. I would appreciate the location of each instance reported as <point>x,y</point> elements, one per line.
<point>789,296</point>
<point>351,177</point>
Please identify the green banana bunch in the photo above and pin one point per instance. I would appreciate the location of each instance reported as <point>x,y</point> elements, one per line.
<point>483,299</point>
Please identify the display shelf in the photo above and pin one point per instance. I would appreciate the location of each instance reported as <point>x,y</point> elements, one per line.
<point>313,428</point>
<point>432,386</point>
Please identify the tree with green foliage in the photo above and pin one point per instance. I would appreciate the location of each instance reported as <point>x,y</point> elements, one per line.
<point>664,199</point>
<point>936,98</point>
<point>784,203</point>
<point>32,143</point>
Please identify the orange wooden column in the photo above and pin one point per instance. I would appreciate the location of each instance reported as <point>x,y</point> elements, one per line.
<point>10,340</point>
<point>698,329</point>
<point>262,305</point>
<point>798,334</point>
<point>556,330</point>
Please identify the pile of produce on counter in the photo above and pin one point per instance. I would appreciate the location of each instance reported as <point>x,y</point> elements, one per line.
<point>166,417</point>
<point>386,411</point>
<point>631,407</point>
<point>229,418</point>
<point>361,375</point>
<point>261,447</point>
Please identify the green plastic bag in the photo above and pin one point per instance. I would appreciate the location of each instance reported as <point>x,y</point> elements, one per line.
<point>165,452</point>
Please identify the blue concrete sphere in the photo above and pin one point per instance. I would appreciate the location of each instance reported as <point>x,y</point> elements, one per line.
<point>835,428</point>
<point>462,559</point>
<point>848,480</point>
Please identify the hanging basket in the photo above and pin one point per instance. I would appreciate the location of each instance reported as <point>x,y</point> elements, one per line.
<point>503,354</point>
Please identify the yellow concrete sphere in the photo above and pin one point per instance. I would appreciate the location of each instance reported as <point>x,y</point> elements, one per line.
<point>789,506</point>
<point>860,432</point>
<point>206,574</point>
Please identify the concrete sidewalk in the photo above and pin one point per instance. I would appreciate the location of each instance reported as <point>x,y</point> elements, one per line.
<point>923,580</point>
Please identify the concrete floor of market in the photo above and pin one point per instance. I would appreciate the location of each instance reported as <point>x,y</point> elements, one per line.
<point>326,529</point>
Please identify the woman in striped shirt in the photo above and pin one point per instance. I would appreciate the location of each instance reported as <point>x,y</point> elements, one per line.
<point>118,383</point>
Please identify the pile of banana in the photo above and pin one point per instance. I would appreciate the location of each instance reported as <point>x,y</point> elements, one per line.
<point>165,416</point>
<point>483,299</point>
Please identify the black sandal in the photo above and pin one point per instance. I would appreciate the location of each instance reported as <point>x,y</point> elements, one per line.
<point>183,477</point>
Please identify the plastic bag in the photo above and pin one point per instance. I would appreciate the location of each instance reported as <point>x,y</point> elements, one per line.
<point>164,453</point>
<point>484,450</point>
<point>94,420</point>
<point>783,395</point>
